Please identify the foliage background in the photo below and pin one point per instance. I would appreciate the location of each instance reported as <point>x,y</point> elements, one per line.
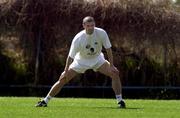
<point>35,36</point>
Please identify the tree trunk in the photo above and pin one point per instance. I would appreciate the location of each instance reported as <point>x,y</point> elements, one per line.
<point>165,51</point>
<point>37,58</point>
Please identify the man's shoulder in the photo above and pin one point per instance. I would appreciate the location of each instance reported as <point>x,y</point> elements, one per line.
<point>79,35</point>
<point>100,30</point>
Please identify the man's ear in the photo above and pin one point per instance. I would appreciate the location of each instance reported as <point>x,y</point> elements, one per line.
<point>83,25</point>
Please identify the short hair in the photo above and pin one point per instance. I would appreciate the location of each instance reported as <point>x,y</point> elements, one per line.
<point>88,19</point>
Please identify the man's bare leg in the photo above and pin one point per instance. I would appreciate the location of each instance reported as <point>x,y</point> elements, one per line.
<point>116,82</point>
<point>56,88</point>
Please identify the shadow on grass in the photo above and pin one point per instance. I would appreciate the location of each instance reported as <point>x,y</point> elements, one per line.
<point>133,108</point>
<point>98,107</point>
<point>127,108</point>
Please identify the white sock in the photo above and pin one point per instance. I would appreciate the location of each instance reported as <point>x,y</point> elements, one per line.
<point>47,98</point>
<point>119,98</point>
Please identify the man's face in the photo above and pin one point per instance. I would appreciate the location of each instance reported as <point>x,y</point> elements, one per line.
<point>89,27</point>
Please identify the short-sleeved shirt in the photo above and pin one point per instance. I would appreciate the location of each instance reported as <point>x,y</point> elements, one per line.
<point>87,48</point>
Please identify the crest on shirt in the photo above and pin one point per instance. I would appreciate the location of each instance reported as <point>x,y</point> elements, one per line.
<point>88,46</point>
<point>91,49</point>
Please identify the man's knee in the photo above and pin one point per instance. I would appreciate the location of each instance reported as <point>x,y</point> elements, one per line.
<point>64,78</point>
<point>114,74</point>
<point>117,72</point>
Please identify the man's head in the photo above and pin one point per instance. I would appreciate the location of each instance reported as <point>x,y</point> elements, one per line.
<point>89,24</point>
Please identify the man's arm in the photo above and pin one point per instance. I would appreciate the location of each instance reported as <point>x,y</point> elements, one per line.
<point>69,60</point>
<point>72,52</point>
<point>110,56</point>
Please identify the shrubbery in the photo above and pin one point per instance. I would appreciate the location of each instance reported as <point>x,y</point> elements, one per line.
<point>45,29</point>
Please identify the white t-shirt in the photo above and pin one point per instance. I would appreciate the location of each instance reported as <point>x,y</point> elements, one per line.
<point>87,48</point>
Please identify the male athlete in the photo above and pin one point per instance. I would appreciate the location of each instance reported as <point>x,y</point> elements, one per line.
<point>85,53</point>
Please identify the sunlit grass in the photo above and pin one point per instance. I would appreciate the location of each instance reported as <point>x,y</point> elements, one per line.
<point>23,107</point>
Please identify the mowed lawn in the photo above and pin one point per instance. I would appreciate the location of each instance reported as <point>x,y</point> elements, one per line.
<point>23,107</point>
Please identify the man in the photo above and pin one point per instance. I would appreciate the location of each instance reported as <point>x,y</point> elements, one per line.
<point>85,53</point>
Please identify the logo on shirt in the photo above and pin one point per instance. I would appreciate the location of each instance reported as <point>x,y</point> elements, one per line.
<point>91,49</point>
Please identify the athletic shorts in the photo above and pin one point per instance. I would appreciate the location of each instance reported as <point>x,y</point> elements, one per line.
<point>81,65</point>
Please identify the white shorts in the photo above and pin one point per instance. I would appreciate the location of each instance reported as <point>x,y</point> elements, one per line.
<point>81,65</point>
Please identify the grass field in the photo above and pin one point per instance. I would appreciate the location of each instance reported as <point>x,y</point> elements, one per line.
<point>23,107</point>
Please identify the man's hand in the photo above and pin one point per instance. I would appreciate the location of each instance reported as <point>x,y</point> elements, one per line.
<point>114,69</point>
<point>69,60</point>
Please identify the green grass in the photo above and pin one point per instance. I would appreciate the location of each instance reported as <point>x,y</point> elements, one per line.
<point>23,107</point>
